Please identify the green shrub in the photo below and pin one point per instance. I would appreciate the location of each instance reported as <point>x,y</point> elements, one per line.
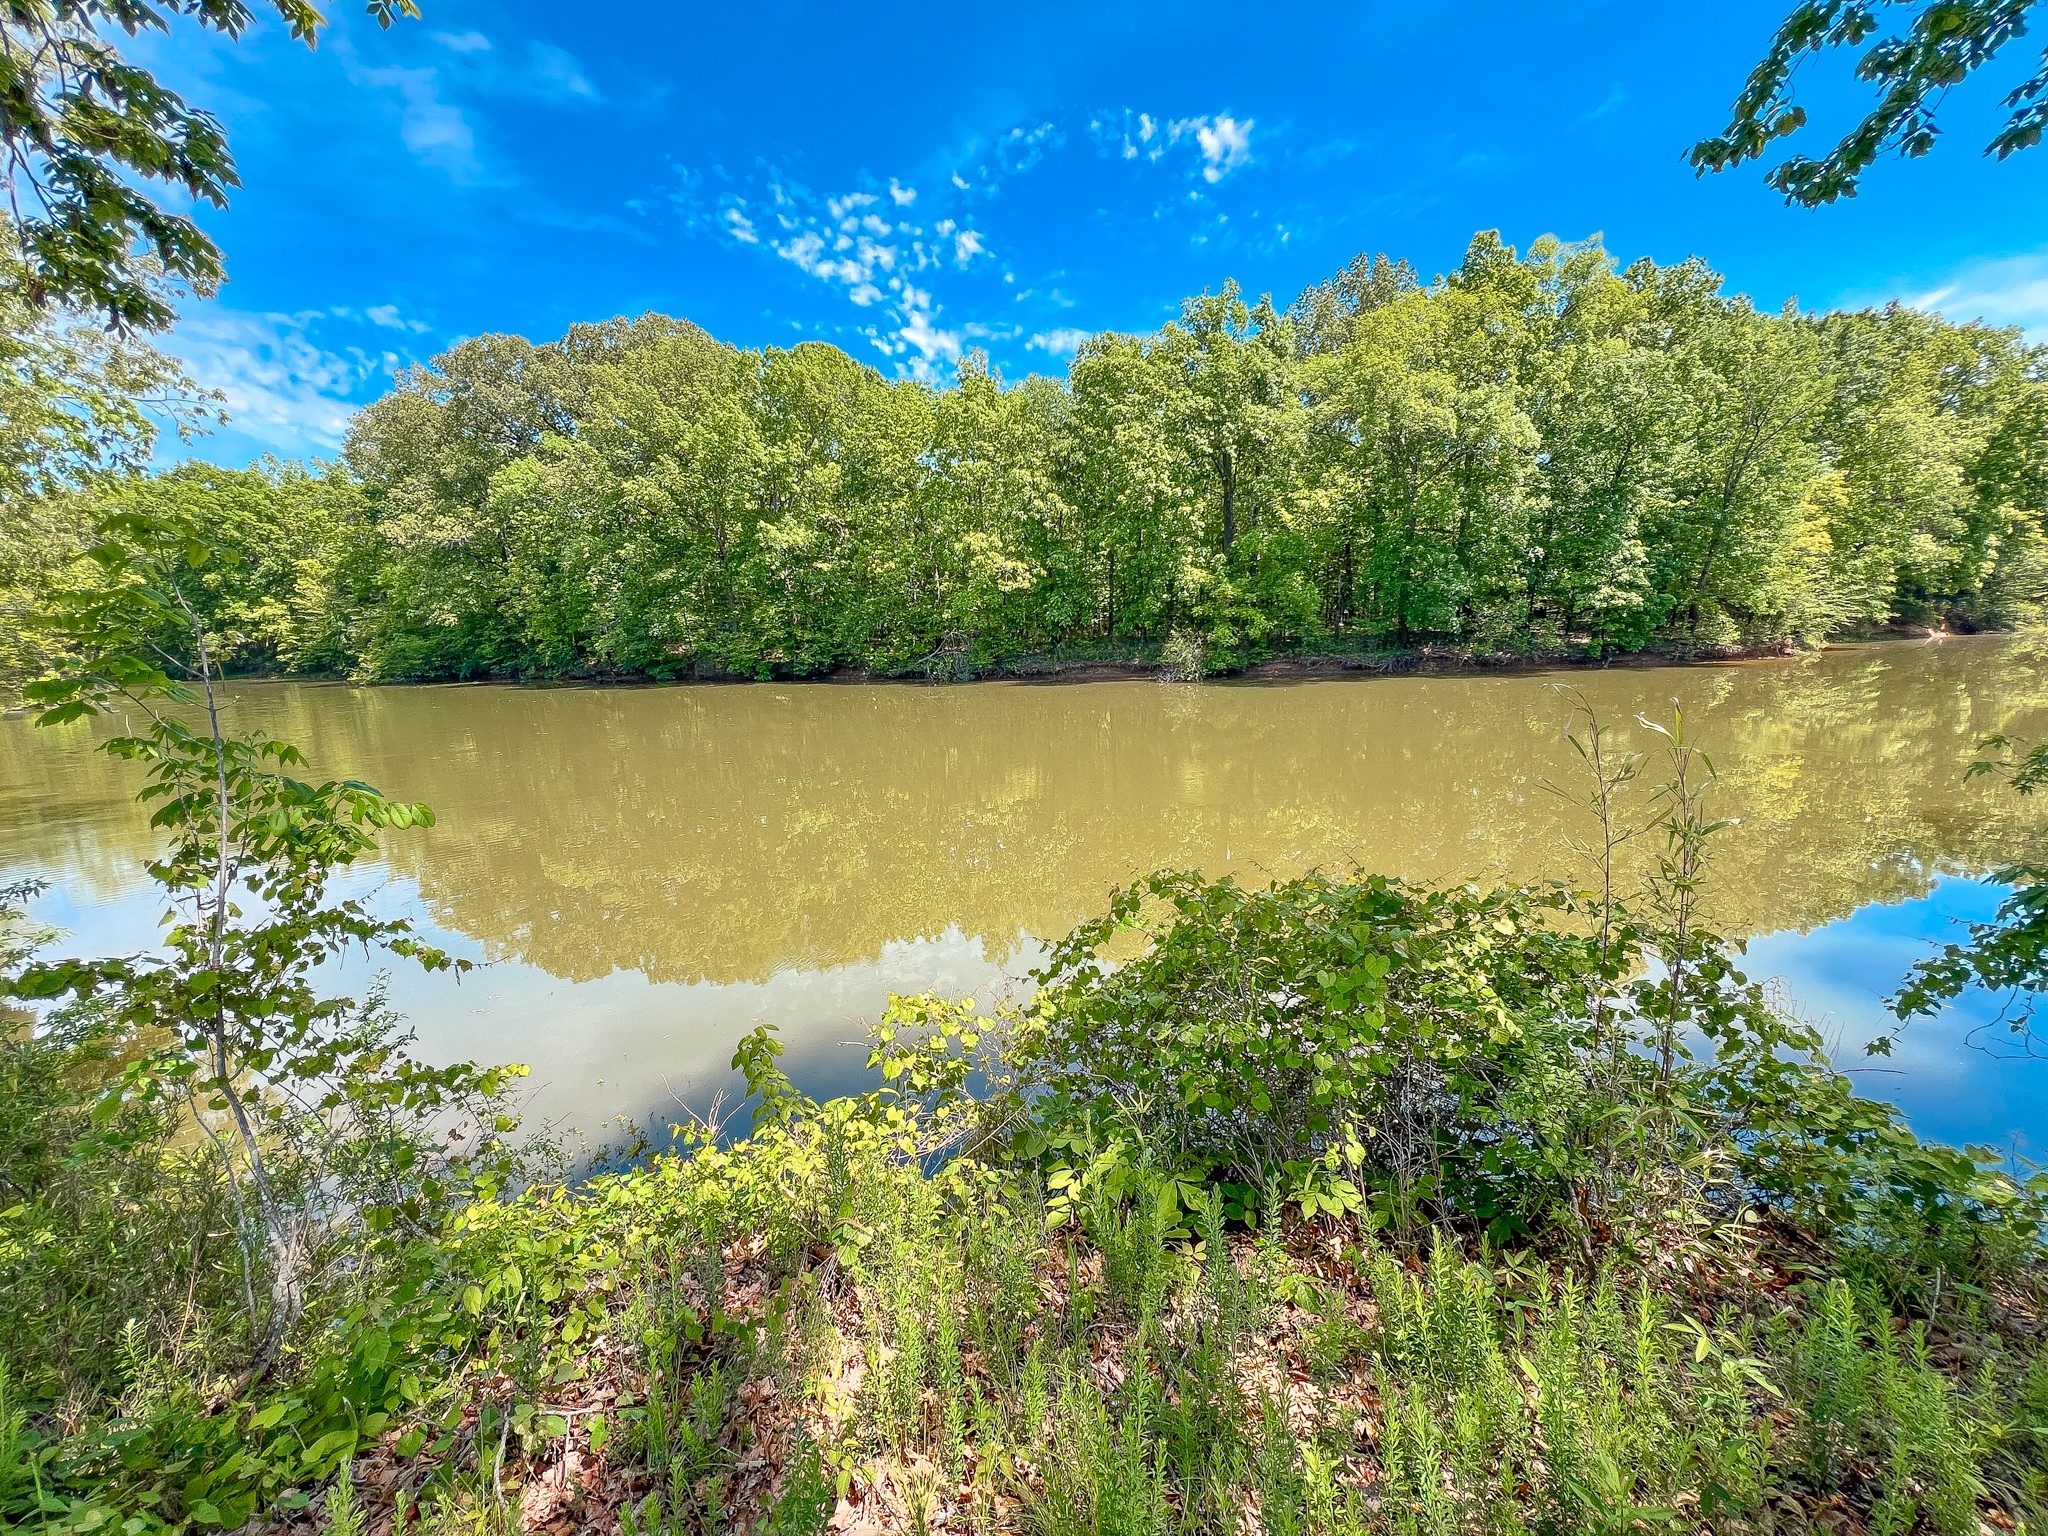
<point>1298,1034</point>
<point>82,1194</point>
<point>1908,1216</point>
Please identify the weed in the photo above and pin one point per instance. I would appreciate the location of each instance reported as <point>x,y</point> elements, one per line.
<point>344,1512</point>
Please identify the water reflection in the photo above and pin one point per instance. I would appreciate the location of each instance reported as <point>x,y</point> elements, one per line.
<point>1961,1078</point>
<point>652,870</point>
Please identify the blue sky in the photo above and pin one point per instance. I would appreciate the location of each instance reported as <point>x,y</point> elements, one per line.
<point>910,181</point>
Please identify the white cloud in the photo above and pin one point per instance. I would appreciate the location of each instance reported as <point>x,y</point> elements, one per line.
<point>932,344</point>
<point>849,259</point>
<point>1222,142</point>
<point>871,247</point>
<point>435,128</point>
<point>432,129</point>
<point>286,387</point>
<point>555,72</point>
<point>1063,342</point>
<point>2003,290</point>
<point>1225,143</point>
<point>387,316</point>
<point>921,274</point>
<point>1022,148</point>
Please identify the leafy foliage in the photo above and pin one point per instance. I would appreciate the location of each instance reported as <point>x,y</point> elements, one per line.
<point>1292,1036</point>
<point>1536,452</point>
<point>80,126</point>
<point>1945,42</point>
<point>80,409</point>
<point>316,1113</point>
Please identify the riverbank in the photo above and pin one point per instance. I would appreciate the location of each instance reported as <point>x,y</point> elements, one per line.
<point>1131,1260</point>
<point>1142,663</point>
<point>1433,661</point>
<point>1157,661</point>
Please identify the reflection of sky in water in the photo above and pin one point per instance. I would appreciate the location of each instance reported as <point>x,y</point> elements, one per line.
<point>618,1047</point>
<point>622,1045</point>
<point>1959,1077</point>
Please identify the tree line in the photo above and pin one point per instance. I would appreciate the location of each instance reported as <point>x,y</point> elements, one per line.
<point>1533,452</point>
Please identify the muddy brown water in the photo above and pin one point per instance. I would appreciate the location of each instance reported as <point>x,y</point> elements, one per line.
<point>648,872</point>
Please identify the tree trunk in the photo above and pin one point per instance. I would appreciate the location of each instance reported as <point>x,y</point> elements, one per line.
<point>287,1300</point>
<point>1227,470</point>
<point>1699,585</point>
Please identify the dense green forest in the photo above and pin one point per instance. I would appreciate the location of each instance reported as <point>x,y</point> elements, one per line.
<point>1534,452</point>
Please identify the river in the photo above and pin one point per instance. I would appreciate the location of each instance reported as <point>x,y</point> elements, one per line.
<point>643,874</point>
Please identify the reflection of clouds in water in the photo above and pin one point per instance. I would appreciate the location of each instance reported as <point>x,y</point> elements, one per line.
<point>623,1045</point>
<point>1956,1076</point>
<point>619,1046</point>
<point>652,871</point>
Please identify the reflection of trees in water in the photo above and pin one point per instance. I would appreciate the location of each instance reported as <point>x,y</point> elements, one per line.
<point>725,832</point>
<point>68,813</point>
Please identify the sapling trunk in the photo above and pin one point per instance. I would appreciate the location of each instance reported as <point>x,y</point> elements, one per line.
<point>282,1244</point>
<point>234,992</point>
